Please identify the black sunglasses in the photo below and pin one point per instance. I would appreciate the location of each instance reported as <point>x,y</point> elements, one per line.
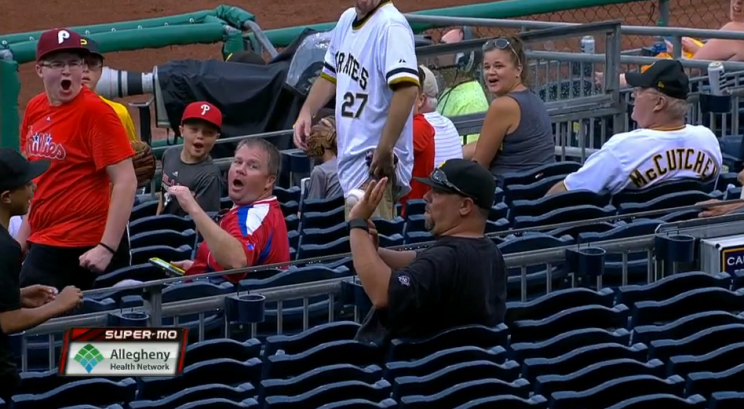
<point>501,43</point>
<point>439,177</point>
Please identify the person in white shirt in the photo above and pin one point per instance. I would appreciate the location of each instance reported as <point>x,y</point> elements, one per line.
<point>447,141</point>
<point>370,66</point>
<point>663,148</point>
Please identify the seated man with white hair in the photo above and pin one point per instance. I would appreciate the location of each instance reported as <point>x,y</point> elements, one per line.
<point>447,141</point>
<point>663,147</point>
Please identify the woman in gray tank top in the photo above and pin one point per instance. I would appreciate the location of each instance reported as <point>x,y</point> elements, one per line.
<point>517,133</point>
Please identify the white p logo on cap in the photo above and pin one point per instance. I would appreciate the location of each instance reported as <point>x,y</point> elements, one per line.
<point>62,35</point>
<point>205,108</point>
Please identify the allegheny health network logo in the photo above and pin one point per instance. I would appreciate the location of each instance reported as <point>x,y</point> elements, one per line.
<point>88,357</point>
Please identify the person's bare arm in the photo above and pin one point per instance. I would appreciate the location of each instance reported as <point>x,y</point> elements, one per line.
<point>124,184</point>
<point>401,105</point>
<point>468,151</point>
<point>502,117</point>
<point>397,260</point>
<point>370,268</point>
<point>321,92</point>
<point>717,49</point>
<point>559,187</point>
<point>25,318</point>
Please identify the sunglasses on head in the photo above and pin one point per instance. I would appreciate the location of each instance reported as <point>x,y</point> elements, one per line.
<point>501,43</point>
<point>439,177</point>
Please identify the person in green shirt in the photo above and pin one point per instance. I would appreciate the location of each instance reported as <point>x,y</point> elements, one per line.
<point>465,95</point>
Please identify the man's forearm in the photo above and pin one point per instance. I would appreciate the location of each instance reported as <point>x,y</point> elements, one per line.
<point>20,320</point>
<point>372,271</point>
<point>559,187</point>
<point>226,249</point>
<point>397,260</point>
<point>401,106</point>
<point>320,93</point>
<point>468,151</point>
<point>120,208</point>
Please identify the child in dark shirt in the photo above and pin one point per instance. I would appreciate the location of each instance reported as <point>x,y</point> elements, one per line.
<point>191,165</point>
<point>321,146</point>
<point>21,308</point>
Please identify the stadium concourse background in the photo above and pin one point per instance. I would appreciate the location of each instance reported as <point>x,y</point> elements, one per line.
<point>21,16</point>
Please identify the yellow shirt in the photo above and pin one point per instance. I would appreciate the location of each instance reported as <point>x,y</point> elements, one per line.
<point>466,98</point>
<point>126,119</point>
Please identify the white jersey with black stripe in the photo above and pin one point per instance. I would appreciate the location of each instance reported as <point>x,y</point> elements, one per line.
<point>364,59</point>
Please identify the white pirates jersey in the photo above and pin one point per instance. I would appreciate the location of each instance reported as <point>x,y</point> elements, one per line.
<point>364,59</point>
<point>644,157</point>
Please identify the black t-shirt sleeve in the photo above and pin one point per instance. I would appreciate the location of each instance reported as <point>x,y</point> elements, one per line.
<point>10,270</point>
<point>415,289</point>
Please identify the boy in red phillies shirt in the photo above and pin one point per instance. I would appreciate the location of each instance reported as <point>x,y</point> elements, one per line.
<point>81,207</point>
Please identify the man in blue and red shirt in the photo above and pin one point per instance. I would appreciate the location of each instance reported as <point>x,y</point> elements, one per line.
<point>253,232</point>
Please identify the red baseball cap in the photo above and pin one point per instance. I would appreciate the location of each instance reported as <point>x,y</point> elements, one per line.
<point>59,39</point>
<point>205,111</point>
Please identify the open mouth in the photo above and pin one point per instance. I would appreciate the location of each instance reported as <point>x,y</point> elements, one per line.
<point>66,85</point>
<point>198,145</point>
<point>492,82</point>
<point>237,184</point>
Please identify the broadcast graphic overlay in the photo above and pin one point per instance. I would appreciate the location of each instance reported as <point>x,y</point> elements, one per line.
<point>123,352</point>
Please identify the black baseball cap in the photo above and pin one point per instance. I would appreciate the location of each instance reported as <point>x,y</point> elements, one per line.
<point>16,171</point>
<point>464,178</point>
<point>665,76</point>
<point>92,47</point>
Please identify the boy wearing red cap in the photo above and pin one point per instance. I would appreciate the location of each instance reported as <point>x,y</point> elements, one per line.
<point>190,165</point>
<point>74,229</point>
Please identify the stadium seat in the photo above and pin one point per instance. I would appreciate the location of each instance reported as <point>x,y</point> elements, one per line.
<point>562,200</point>
<point>542,172</point>
<point>532,191</point>
<point>95,391</point>
<point>144,209</point>
<point>198,393</point>
<point>162,222</point>
<point>223,371</point>
<point>322,205</point>
<point>661,189</point>
<point>319,377</point>
<point>322,220</point>
<point>171,238</point>
<point>143,254</point>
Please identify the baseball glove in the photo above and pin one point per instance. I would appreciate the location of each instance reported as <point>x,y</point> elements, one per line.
<point>144,163</point>
<point>322,137</point>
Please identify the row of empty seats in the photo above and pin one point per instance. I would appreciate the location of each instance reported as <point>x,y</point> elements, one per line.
<point>678,342</point>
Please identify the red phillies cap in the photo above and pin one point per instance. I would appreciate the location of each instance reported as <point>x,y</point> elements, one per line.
<point>59,39</point>
<point>205,111</point>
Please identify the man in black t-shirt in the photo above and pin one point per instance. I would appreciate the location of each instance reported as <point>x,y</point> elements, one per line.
<point>458,280</point>
<point>21,308</point>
